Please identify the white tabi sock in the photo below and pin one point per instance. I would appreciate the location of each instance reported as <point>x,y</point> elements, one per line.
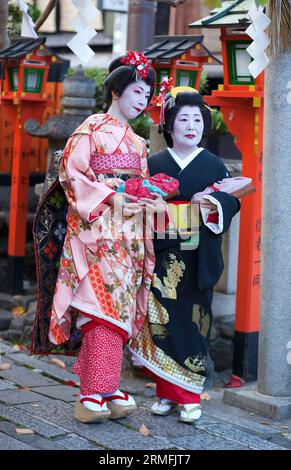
<point>94,406</point>
<point>129,402</point>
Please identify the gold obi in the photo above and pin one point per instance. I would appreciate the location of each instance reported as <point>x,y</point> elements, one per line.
<point>185,219</point>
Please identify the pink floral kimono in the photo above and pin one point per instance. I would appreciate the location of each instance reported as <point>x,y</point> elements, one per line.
<point>107,260</point>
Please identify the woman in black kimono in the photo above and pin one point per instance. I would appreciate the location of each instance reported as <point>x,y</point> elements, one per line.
<point>173,342</point>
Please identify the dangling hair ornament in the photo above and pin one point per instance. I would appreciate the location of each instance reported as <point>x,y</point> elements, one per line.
<point>165,87</point>
<point>140,62</point>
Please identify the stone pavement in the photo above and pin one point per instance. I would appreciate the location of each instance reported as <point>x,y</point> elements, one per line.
<point>34,395</point>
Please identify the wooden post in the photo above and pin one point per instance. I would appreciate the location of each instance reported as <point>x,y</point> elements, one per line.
<point>247,323</point>
<point>18,206</point>
<point>19,190</point>
<point>244,119</point>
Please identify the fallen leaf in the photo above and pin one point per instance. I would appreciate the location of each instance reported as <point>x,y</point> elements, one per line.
<point>16,347</point>
<point>19,310</point>
<point>144,430</point>
<point>265,423</point>
<point>28,389</point>
<point>24,431</point>
<point>71,383</point>
<point>5,366</point>
<point>252,414</point>
<point>151,385</point>
<point>35,405</point>
<point>205,396</point>
<point>285,434</point>
<point>58,362</point>
<point>284,427</point>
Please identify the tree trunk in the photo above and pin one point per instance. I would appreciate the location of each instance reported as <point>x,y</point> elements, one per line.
<point>4,38</point>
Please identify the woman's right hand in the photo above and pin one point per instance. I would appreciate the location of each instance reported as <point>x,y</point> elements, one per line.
<point>119,201</point>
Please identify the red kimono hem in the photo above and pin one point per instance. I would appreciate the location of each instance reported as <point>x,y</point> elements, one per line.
<point>171,391</point>
<point>95,320</point>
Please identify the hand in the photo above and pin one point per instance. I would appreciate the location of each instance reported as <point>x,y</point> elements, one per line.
<point>119,200</point>
<point>131,208</point>
<point>208,205</point>
<point>157,205</point>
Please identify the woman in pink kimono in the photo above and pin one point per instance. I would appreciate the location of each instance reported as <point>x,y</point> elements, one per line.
<point>107,262</point>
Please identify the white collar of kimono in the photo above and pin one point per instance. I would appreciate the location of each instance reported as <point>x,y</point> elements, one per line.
<point>185,161</point>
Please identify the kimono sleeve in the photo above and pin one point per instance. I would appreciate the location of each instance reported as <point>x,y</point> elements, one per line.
<point>82,190</point>
<point>227,207</point>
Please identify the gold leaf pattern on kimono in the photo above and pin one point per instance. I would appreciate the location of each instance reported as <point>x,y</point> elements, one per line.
<point>159,330</point>
<point>195,363</point>
<point>201,317</point>
<point>144,346</point>
<point>175,271</point>
<point>157,314</point>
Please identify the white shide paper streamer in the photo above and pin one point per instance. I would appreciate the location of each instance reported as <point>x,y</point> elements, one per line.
<point>27,26</point>
<point>256,49</point>
<point>81,23</point>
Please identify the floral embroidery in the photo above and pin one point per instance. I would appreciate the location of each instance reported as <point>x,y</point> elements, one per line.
<point>57,200</point>
<point>60,232</point>
<point>50,250</point>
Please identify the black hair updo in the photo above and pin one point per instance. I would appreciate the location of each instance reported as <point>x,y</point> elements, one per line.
<point>173,106</point>
<point>120,76</point>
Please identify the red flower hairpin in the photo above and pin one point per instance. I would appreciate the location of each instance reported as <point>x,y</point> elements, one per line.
<point>165,87</point>
<point>139,60</point>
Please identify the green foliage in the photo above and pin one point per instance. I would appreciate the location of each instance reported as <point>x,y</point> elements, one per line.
<point>217,3</point>
<point>204,83</point>
<point>261,2</point>
<point>141,125</point>
<point>212,3</point>
<point>15,18</point>
<point>33,11</point>
<point>218,125</point>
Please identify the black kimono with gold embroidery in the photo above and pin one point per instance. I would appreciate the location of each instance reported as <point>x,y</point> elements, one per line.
<point>174,339</point>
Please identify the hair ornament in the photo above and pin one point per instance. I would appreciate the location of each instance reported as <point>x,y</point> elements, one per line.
<point>184,89</point>
<point>139,60</point>
<point>165,87</point>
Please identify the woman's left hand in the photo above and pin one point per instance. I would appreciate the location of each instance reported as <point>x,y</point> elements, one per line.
<point>206,204</point>
<point>157,205</point>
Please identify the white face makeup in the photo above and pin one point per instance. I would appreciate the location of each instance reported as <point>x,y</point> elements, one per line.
<point>134,99</point>
<point>188,128</point>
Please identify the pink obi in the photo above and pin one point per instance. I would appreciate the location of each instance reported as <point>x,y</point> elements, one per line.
<point>108,161</point>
